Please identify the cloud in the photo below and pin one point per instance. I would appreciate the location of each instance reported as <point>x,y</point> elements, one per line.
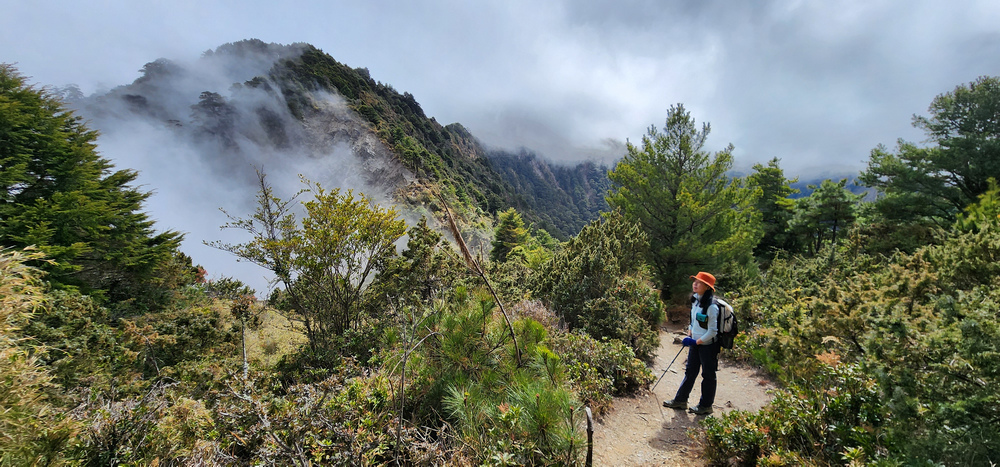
<point>196,135</point>
<point>816,84</point>
<point>813,83</point>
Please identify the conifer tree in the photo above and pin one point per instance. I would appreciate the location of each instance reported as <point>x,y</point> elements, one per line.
<point>922,187</point>
<point>821,217</point>
<point>696,217</point>
<point>775,206</point>
<point>510,233</point>
<point>57,193</point>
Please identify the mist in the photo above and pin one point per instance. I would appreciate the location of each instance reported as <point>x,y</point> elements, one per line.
<point>196,133</point>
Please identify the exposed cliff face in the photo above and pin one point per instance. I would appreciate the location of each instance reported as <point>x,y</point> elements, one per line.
<point>332,124</point>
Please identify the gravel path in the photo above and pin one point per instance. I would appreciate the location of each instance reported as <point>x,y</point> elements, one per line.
<point>639,431</point>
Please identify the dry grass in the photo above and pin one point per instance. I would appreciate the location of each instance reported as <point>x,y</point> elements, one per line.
<point>273,339</point>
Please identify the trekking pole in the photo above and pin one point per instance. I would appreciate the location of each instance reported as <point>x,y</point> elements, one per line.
<point>668,367</point>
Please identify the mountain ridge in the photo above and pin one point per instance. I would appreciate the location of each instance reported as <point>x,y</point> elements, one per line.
<point>252,104</point>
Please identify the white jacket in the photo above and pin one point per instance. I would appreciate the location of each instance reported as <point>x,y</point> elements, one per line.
<point>706,334</point>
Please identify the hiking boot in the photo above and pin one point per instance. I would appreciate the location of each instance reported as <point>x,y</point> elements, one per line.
<point>674,404</point>
<point>699,410</point>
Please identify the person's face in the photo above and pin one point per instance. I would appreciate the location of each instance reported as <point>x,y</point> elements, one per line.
<point>699,287</point>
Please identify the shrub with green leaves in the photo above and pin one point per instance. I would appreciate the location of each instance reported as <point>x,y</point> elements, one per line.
<point>626,313</point>
<point>194,333</point>
<point>600,369</point>
<point>73,336</point>
<point>325,260</point>
<point>840,413</point>
<point>531,422</point>
<point>923,325</point>
<point>462,365</point>
<point>597,283</point>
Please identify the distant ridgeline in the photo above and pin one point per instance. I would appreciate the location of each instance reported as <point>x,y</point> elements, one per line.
<point>559,199</point>
<point>851,185</point>
<point>252,103</point>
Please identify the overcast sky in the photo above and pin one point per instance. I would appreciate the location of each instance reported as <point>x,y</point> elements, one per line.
<point>817,84</point>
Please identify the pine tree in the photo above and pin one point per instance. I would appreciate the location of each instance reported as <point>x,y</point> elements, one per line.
<point>921,188</point>
<point>821,217</point>
<point>510,233</point>
<point>57,193</point>
<point>696,217</point>
<point>774,205</point>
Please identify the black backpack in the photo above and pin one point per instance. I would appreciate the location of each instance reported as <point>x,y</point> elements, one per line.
<point>728,325</point>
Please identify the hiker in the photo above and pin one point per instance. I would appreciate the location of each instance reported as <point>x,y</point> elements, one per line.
<point>703,352</point>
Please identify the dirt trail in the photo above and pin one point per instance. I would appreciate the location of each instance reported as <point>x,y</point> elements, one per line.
<point>639,431</point>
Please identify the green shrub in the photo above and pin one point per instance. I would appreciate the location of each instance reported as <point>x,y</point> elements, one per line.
<point>597,283</point>
<point>461,363</point>
<point>600,369</point>
<point>630,313</point>
<point>168,338</point>
<point>529,423</point>
<point>839,413</point>
<point>74,337</point>
<point>923,324</point>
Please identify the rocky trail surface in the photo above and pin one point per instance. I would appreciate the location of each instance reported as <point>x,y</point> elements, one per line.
<point>639,431</point>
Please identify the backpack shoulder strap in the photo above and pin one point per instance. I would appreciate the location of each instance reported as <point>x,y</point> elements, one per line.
<point>720,305</point>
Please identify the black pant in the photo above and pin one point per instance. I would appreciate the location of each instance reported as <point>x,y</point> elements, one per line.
<point>704,358</point>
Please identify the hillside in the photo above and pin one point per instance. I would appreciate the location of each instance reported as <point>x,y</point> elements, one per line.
<point>294,108</point>
<point>853,185</point>
<point>449,155</point>
<point>560,199</point>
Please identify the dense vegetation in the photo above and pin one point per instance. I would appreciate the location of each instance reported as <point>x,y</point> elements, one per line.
<point>554,198</point>
<point>886,334</point>
<point>559,201</point>
<point>882,328</point>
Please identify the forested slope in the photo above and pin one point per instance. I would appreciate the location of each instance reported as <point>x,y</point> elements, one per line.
<point>559,199</point>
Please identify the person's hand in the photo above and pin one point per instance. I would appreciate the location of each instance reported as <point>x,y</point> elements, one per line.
<point>687,342</point>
